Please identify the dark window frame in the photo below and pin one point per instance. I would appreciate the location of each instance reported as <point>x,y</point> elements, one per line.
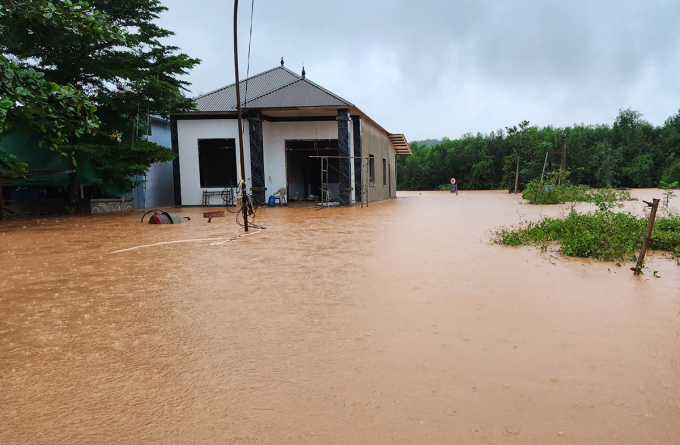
<point>384,172</point>
<point>371,170</point>
<point>208,161</point>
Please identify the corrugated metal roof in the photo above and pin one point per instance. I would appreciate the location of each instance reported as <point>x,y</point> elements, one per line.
<point>301,93</point>
<point>281,88</point>
<point>275,88</point>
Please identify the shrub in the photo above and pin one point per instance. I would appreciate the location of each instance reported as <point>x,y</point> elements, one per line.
<point>669,192</point>
<point>548,191</point>
<point>601,235</point>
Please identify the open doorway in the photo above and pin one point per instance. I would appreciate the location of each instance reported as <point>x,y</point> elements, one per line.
<point>303,173</point>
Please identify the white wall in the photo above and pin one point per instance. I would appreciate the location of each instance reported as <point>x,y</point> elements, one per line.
<point>188,134</point>
<point>275,135</point>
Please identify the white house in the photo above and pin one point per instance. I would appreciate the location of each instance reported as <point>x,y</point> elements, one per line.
<point>289,122</point>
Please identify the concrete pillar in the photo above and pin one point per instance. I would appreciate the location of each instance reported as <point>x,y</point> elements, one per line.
<point>256,157</point>
<point>356,121</point>
<point>344,165</point>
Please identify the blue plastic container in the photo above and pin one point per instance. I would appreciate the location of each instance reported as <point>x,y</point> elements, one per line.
<point>272,201</point>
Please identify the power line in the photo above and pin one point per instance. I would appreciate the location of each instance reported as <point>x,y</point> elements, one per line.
<point>250,39</point>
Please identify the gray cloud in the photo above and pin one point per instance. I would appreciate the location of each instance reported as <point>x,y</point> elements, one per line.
<point>444,68</point>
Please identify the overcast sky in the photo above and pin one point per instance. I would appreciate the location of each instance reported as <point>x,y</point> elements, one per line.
<point>435,68</point>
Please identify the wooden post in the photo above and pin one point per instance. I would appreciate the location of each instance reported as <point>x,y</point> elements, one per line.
<point>563,160</point>
<point>544,164</point>
<point>73,196</point>
<point>648,235</point>
<point>517,175</point>
<point>563,163</point>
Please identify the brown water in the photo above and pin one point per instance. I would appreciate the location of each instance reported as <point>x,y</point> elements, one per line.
<point>396,323</point>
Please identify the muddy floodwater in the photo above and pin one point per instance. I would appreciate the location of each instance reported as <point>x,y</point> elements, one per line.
<point>397,323</point>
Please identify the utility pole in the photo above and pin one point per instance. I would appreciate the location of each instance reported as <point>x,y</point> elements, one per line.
<point>544,164</point>
<point>517,175</point>
<point>244,188</point>
<point>563,159</point>
<point>520,147</point>
<point>563,163</point>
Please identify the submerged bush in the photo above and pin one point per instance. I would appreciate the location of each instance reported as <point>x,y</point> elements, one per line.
<point>601,235</point>
<point>556,189</point>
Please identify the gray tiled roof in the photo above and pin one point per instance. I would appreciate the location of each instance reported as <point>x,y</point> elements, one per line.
<point>275,88</point>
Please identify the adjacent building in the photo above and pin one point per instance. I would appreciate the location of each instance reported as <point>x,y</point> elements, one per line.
<point>155,189</point>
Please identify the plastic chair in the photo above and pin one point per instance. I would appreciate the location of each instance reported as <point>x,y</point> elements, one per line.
<point>280,195</point>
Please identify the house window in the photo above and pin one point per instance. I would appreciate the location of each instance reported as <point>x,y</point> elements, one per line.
<point>217,162</point>
<point>371,169</point>
<point>384,171</point>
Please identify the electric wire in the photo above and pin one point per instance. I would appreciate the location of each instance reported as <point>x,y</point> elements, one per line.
<point>215,241</point>
<point>250,39</point>
<point>162,243</point>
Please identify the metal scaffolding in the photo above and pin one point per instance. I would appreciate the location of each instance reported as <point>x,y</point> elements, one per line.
<point>325,167</point>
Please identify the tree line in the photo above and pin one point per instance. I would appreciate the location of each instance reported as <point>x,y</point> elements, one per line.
<point>84,77</point>
<point>629,153</point>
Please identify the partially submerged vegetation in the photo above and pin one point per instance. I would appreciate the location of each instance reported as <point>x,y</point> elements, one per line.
<point>603,234</point>
<point>555,188</point>
<point>599,235</point>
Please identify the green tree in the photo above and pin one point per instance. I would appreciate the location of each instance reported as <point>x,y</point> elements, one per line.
<point>523,142</point>
<point>118,162</point>
<point>482,174</point>
<point>629,153</point>
<point>672,172</point>
<point>56,113</point>
<point>640,171</point>
<point>123,78</point>
<point>123,66</point>
<point>606,163</point>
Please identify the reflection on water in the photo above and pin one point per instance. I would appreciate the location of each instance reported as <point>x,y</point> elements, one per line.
<point>397,323</point>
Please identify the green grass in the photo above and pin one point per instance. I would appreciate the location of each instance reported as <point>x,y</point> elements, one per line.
<point>601,235</point>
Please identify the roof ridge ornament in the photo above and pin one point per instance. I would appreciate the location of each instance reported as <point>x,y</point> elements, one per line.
<point>281,60</point>
<point>303,70</point>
